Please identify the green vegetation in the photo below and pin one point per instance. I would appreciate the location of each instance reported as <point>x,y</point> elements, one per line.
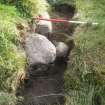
<point>71,2</point>
<point>7,99</point>
<point>12,58</point>
<point>85,79</point>
<point>91,10</point>
<point>31,7</point>
<point>28,8</point>
<point>87,70</point>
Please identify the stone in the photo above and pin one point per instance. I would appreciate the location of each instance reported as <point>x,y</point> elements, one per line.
<point>39,50</point>
<point>44,27</point>
<point>62,49</point>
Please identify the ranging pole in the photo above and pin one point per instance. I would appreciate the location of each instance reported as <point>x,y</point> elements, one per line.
<point>65,21</point>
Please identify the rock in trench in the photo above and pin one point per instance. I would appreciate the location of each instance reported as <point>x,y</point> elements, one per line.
<point>39,50</point>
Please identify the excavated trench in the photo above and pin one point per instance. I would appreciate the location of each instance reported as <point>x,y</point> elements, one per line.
<point>44,84</point>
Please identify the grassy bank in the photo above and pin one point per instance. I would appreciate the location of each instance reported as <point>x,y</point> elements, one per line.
<point>12,58</point>
<point>85,79</point>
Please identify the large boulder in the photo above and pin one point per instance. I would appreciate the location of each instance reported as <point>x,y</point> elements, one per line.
<point>39,50</point>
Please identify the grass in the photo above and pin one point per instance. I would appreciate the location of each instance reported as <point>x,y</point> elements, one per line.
<point>85,79</point>
<point>87,67</point>
<point>7,99</point>
<point>30,8</point>
<point>71,2</point>
<point>11,58</point>
<point>91,10</point>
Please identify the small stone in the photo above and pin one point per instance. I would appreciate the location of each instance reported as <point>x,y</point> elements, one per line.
<point>62,49</point>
